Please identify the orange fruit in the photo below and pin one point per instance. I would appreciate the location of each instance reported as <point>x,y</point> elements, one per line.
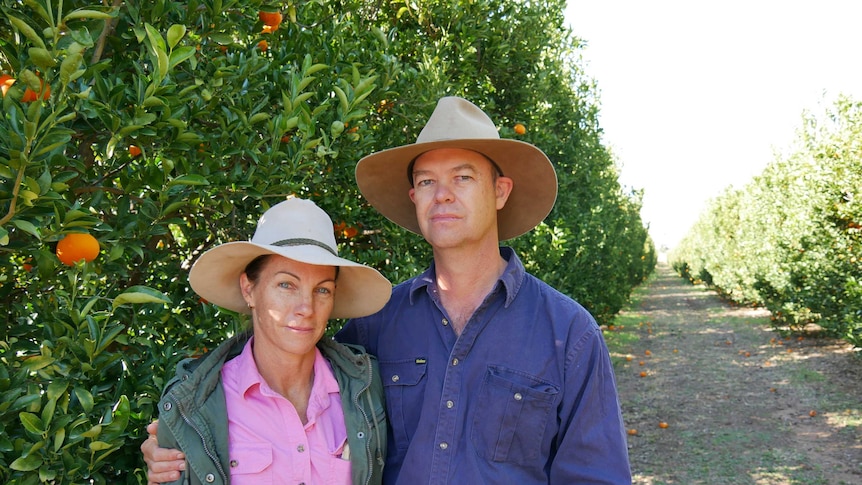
<point>647,353</point>
<point>134,151</point>
<point>629,358</point>
<point>350,232</point>
<point>263,45</point>
<point>270,19</point>
<point>643,374</point>
<point>77,246</point>
<point>812,413</point>
<point>6,81</point>
<point>520,129</point>
<point>662,425</point>
<point>632,432</point>
<point>30,95</point>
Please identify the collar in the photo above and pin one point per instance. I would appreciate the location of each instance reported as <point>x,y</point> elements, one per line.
<point>510,280</point>
<point>249,377</point>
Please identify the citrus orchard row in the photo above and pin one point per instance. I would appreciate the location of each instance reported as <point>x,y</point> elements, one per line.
<point>791,239</point>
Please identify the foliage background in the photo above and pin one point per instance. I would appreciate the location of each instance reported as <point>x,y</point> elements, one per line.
<point>791,240</point>
<point>227,127</point>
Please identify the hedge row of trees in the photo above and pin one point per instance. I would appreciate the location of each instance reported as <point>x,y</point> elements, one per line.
<point>791,240</point>
<point>163,128</point>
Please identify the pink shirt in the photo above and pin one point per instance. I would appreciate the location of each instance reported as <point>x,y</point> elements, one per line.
<point>267,441</point>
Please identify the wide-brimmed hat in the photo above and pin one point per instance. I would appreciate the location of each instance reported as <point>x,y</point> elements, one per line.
<point>457,123</point>
<point>299,230</point>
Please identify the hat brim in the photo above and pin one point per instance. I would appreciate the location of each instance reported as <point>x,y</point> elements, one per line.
<point>382,179</point>
<point>360,290</point>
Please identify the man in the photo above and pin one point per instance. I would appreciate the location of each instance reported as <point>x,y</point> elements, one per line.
<point>491,375</point>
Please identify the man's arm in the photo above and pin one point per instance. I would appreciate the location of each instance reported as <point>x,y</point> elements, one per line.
<point>592,441</point>
<point>163,464</point>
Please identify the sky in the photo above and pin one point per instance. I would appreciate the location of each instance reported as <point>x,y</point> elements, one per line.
<point>698,96</point>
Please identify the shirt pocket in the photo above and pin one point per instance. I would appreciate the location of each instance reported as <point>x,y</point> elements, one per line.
<point>404,386</point>
<point>513,410</point>
<point>251,463</point>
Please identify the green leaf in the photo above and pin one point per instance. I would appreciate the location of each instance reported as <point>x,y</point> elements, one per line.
<point>27,227</point>
<point>175,33</point>
<point>31,423</point>
<point>26,30</point>
<point>59,438</point>
<point>37,362</point>
<point>90,14</point>
<point>27,464</point>
<point>190,179</point>
<point>99,446</point>
<point>42,58</point>
<point>85,398</point>
<point>180,55</point>
<point>56,389</point>
<point>141,294</point>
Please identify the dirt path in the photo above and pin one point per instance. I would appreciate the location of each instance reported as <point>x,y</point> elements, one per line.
<point>742,404</point>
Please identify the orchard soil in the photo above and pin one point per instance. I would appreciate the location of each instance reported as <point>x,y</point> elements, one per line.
<point>743,403</point>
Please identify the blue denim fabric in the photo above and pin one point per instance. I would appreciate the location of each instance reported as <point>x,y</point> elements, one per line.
<point>525,395</point>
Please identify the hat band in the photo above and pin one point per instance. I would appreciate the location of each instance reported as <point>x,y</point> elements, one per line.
<point>303,242</point>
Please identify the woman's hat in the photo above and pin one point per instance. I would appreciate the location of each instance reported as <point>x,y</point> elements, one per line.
<point>299,230</point>
<point>457,123</point>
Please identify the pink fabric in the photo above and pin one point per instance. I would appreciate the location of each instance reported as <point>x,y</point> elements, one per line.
<point>268,443</point>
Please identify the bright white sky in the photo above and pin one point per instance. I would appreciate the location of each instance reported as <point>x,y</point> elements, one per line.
<point>696,96</point>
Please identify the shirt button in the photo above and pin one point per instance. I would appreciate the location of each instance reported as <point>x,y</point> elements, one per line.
<point>450,404</point>
<point>300,448</point>
<point>395,378</point>
<point>210,478</point>
<point>234,463</point>
<point>445,322</point>
<point>518,396</point>
<point>444,445</point>
<point>455,361</point>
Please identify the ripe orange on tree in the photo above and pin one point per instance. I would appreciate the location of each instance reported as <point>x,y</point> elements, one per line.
<point>270,19</point>
<point>134,151</point>
<point>520,129</point>
<point>43,94</point>
<point>263,45</point>
<point>6,81</point>
<point>77,246</point>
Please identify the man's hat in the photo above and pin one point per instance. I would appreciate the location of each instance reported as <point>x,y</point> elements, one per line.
<point>299,230</point>
<point>457,123</point>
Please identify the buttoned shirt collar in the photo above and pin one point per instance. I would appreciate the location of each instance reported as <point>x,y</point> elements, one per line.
<point>511,279</point>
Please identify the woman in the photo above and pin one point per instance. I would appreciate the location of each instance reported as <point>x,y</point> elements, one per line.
<point>281,404</point>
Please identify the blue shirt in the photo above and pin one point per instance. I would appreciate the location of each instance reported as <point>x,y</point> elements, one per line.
<point>525,395</point>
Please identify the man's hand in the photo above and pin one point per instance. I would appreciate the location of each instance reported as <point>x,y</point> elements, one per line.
<point>163,464</point>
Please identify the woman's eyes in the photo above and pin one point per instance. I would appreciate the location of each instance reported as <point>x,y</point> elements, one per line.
<point>288,285</point>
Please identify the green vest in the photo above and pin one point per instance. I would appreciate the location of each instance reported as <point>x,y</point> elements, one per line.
<point>193,415</point>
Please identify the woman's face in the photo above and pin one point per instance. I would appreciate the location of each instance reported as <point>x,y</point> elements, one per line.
<point>291,303</point>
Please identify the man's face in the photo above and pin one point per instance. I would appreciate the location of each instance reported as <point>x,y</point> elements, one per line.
<point>457,194</point>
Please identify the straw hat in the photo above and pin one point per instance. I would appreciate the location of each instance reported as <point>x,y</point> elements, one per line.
<point>299,230</point>
<point>457,123</point>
